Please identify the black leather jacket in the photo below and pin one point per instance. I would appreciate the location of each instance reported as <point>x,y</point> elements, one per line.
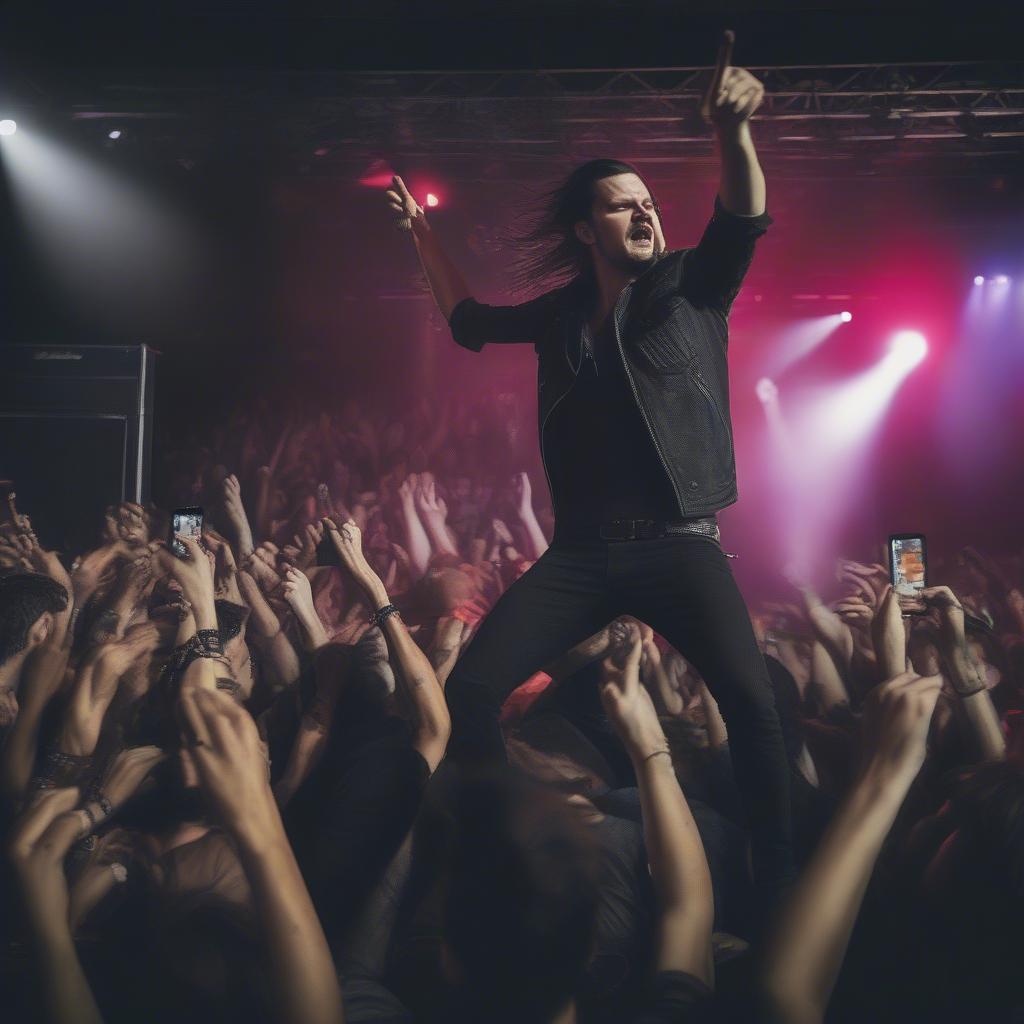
<point>671,325</point>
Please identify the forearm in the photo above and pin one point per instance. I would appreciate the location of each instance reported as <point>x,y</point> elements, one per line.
<point>678,867</point>
<point>415,674</point>
<point>828,683</point>
<point>416,540</point>
<point>41,681</point>
<point>302,970</point>
<point>69,999</point>
<point>446,282</point>
<point>534,534</point>
<point>741,184</point>
<point>806,952</point>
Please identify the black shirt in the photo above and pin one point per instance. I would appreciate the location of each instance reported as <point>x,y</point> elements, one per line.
<point>601,458</point>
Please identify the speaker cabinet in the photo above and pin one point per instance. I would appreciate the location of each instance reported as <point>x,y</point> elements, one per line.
<point>76,434</point>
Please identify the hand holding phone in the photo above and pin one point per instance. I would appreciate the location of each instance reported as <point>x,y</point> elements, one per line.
<point>908,564</point>
<point>188,522</point>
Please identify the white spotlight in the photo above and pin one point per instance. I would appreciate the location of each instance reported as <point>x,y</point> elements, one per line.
<point>909,347</point>
<point>114,134</point>
<point>8,127</point>
<point>978,279</point>
<point>1002,279</point>
<point>845,316</point>
<point>767,390</point>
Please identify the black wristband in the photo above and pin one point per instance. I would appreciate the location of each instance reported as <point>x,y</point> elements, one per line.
<point>381,614</point>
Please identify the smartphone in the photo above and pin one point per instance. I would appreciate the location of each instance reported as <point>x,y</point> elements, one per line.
<point>908,563</point>
<point>185,522</point>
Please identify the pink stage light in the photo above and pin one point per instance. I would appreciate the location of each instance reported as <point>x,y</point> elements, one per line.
<point>432,200</point>
<point>845,316</point>
<point>767,390</point>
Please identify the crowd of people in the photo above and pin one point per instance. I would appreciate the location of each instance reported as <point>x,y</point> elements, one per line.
<point>227,797</point>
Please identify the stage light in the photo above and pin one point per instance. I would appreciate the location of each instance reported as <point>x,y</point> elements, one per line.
<point>8,127</point>
<point>1002,279</point>
<point>432,200</point>
<point>908,348</point>
<point>114,134</point>
<point>845,316</point>
<point>767,390</point>
<point>978,279</point>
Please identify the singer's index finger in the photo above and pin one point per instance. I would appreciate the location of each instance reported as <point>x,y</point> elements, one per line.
<point>724,59</point>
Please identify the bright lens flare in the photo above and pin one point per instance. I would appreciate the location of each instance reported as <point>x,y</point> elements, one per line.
<point>8,127</point>
<point>908,347</point>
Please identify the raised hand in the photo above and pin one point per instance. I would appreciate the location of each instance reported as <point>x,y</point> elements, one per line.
<point>235,511</point>
<point>407,211</point>
<point>195,575</point>
<point>40,841</point>
<point>348,542</point>
<point>734,93</point>
<point>626,701</point>
<point>523,494</point>
<point>897,714</point>
<point>299,595</point>
<point>230,760</point>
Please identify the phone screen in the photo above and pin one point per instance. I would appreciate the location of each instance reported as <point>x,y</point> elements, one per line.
<point>185,522</point>
<point>907,563</point>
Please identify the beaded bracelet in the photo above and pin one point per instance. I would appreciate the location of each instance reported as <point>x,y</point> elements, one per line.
<point>381,614</point>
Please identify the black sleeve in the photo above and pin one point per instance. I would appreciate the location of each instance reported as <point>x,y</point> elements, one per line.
<point>474,324</point>
<point>674,997</point>
<point>714,270</point>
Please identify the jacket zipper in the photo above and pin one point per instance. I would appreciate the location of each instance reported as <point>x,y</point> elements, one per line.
<point>706,391</point>
<point>640,405</point>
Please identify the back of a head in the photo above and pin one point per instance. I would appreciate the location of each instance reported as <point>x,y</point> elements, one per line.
<point>521,898</point>
<point>974,892</point>
<point>24,597</point>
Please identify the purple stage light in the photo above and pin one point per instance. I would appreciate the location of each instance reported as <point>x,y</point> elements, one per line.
<point>978,279</point>
<point>1002,279</point>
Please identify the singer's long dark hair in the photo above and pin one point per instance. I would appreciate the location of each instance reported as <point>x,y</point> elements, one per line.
<point>547,252</point>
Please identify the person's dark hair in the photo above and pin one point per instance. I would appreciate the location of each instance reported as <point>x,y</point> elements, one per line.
<point>548,254</point>
<point>23,598</point>
<point>521,897</point>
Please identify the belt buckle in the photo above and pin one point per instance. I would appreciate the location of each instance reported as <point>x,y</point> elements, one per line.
<point>626,529</point>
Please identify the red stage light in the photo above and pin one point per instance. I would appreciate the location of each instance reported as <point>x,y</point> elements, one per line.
<point>432,200</point>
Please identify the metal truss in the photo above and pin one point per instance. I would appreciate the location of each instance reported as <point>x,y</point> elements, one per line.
<point>959,116</point>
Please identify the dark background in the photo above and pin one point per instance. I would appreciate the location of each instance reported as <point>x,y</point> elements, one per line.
<point>294,283</point>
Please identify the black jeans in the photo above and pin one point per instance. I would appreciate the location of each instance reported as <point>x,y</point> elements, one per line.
<point>684,589</point>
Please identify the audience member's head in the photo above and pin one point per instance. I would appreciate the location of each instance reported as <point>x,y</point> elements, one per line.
<point>28,604</point>
<point>521,899</point>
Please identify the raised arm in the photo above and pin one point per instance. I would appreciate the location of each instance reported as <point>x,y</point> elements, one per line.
<point>446,282</point>
<point>803,957</point>
<point>473,324</point>
<point>678,866</point>
<point>413,671</point>
<point>731,99</point>
<point>225,747</point>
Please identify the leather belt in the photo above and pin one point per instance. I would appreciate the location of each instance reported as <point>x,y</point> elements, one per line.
<point>651,529</point>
